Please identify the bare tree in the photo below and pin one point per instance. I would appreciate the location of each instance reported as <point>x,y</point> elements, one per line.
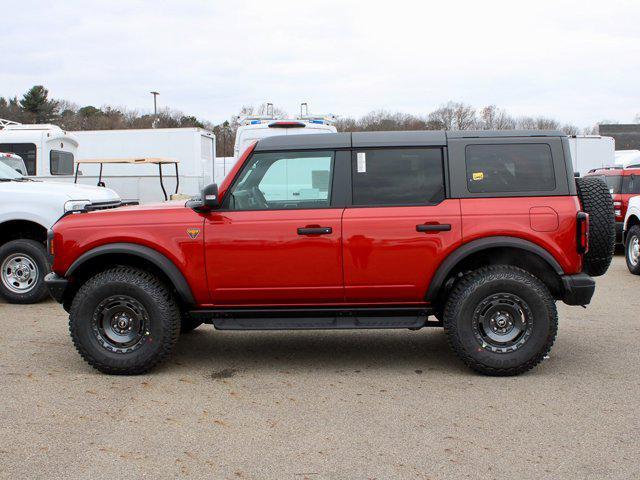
<point>494,118</point>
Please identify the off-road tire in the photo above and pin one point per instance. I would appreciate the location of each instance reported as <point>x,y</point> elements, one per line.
<point>470,293</point>
<point>632,235</point>
<point>597,202</point>
<point>35,251</point>
<point>189,323</point>
<point>163,320</point>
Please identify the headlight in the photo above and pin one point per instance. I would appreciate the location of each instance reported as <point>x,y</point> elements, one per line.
<point>76,205</point>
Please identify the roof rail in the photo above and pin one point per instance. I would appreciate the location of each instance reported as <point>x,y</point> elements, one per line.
<point>5,123</point>
<point>326,118</point>
<point>611,167</point>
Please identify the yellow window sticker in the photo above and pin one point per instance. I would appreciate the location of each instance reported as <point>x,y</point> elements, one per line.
<point>478,175</point>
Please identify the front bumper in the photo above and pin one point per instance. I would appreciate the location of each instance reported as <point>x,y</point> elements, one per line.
<point>578,289</point>
<point>56,285</point>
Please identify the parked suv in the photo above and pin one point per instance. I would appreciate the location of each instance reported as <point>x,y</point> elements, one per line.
<point>623,184</point>
<point>478,232</point>
<point>28,208</point>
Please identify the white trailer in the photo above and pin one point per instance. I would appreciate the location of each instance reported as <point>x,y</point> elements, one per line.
<point>194,149</point>
<point>589,152</point>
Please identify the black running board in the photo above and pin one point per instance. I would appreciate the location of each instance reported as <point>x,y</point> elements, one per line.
<point>315,318</point>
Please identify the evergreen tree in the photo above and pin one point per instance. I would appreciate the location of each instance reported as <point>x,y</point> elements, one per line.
<point>36,101</point>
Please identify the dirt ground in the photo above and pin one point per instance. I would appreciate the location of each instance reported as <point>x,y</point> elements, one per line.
<point>326,405</point>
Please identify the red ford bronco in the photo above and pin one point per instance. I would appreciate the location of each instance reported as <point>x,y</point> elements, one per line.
<point>478,232</point>
<point>623,183</point>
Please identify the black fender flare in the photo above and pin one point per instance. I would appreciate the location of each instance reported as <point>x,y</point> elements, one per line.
<point>160,261</point>
<point>486,243</point>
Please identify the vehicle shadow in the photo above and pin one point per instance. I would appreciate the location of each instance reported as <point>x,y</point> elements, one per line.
<point>257,351</point>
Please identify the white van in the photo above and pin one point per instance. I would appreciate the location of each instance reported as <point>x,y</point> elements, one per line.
<point>255,127</point>
<point>590,152</point>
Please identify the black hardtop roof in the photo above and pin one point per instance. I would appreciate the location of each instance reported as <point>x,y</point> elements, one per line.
<point>411,138</point>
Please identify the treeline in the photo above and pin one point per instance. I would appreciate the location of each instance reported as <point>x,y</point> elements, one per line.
<point>454,116</point>
<point>35,106</point>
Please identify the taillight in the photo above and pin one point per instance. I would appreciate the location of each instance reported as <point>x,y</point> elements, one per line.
<point>583,232</point>
<point>617,209</point>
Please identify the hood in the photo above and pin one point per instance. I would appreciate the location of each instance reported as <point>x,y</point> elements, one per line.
<point>70,190</point>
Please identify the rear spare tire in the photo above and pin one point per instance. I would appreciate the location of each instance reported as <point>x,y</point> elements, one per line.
<point>597,202</point>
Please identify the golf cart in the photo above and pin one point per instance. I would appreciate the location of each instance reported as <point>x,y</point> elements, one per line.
<point>135,161</point>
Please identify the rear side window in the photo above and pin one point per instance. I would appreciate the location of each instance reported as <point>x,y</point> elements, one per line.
<point>403,176</point>
<point>509,168</point>
<point>60,163</point>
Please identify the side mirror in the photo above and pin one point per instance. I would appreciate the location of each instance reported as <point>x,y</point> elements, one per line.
<point>208,200</point>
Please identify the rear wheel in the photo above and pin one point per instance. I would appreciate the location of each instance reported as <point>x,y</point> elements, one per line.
<point>124,321</point>
<point>500,320</point>
<point>23,266</point>
<point>632,249</point>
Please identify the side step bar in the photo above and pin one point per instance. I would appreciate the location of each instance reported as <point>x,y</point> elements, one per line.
<point>315,318</point>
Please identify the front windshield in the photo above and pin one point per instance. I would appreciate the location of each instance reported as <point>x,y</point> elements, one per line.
<point>14,163</point>
<point>8,173</point>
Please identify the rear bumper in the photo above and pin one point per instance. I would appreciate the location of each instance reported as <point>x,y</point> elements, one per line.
<point>56,286</point>
<point>578,289</point>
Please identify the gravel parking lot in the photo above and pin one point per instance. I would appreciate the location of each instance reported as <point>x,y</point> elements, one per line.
<point>317,405</point>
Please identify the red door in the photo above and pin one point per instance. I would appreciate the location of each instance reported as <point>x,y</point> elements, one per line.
<point>391,253</point>
<point>400,227</point>
<point>260,258</point>
<point>277,240</point>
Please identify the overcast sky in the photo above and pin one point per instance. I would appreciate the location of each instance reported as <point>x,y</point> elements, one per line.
<point>576,61</point>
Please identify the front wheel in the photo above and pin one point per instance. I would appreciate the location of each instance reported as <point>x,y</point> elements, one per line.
<point>23,266</point>
<point>632,249</point>
<point>124,321</point>
<point>500,320</point>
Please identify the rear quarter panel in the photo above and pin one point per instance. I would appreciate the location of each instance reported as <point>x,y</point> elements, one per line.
<point>529,218</point>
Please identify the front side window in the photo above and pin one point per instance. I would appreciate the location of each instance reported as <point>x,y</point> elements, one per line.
<point>509,168</point>
<point>27,151</point>
<point>284,180</point>
<point>399,176</point>
<point>60,163</point>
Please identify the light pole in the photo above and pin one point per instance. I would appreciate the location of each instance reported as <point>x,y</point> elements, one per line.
<point>155,109</point>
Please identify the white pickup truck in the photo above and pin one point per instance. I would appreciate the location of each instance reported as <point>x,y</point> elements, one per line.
<point>631,233</point>
<point>28,208</point>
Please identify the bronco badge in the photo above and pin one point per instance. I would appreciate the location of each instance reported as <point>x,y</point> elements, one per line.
<point>193,232</point>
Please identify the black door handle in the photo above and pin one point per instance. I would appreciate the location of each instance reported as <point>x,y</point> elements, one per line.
<point>315,231</point>
<point>438,227</point>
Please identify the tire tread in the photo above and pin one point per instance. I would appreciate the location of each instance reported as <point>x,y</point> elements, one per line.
<point>161,296</point>
<point>472,281</point>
